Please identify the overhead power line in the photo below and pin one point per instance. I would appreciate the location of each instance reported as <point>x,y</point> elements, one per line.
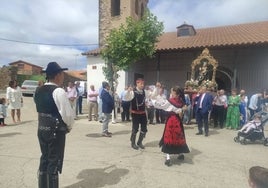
<point>47,44</point>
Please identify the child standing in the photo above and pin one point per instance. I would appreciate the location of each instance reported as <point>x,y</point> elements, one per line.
<point>3,111</point>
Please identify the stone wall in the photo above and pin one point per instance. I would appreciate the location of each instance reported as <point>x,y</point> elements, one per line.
<point>107,22</point>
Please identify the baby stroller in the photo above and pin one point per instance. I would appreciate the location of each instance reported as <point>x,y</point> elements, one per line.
<point>254,134</point>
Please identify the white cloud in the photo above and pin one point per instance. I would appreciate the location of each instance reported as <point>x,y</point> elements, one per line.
<point>53,22</point>
<point>208,13</point>
<point>76,22</point>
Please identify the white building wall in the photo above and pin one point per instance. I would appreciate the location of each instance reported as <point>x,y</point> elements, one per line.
<point>95,74</point>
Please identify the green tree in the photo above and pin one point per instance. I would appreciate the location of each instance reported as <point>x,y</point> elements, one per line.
<point>130,43</point>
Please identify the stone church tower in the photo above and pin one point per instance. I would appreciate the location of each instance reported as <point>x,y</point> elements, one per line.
<point>113,13</point>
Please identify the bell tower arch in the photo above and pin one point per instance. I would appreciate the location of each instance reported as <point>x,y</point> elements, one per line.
<point>113,13</point>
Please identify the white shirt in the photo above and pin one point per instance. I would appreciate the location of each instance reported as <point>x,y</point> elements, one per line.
<point>129,95</point>
<point>162,103</point>
<point>220,100</point>
<point>253,103</point>
<point>71,92</point>
<point>254,124</point>
<point>202,98</point>
<point>80,91</point>
<point>63,105</point>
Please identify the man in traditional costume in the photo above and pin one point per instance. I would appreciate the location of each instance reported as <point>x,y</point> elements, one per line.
<point>55,119</point>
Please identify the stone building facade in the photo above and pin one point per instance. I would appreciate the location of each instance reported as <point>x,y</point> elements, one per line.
<point>113,13</point>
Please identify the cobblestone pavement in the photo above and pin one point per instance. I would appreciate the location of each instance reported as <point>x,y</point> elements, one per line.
<point>93,161</point>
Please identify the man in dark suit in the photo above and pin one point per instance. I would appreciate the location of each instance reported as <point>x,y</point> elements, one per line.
<point>203,109</point>
<point>107,108</point>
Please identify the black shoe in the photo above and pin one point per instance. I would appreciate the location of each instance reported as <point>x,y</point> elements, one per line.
<point>167,162</point>
<point>206,134</point>
<point>181,157</point>
<point>141,146</point>
<point>199,133</point>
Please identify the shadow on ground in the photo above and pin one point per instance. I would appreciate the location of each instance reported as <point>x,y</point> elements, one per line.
<point>20,123</point>
<point>9,134</point>
<point>152,144</point>
<point>213,132</point>
<point>188,157</point>
<point>99,177</point>
<point>98,135</point>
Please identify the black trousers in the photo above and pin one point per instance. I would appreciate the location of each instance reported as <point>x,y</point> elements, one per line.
<point>126,107</point>
<point>2,120</point>
<point>150,112</point>
<point>219,117</point>
<point>160,116</point>
<point>139,120</point>
<point>52,144</point>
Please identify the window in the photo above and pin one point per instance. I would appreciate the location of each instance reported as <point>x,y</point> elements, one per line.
<point>184,32</point>
<point>115,7</point>
<point>20,66</point>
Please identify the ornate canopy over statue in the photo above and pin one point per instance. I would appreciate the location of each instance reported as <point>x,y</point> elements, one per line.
<point>203,71</point>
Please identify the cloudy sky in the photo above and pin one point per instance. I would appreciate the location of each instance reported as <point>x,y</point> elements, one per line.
<point>40,31</point>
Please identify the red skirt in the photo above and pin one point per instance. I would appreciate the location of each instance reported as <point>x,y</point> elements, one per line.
<point>173,140</point>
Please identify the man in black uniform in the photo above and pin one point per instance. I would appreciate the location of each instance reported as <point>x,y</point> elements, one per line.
<point>55,119</point>
<point>137,97</point>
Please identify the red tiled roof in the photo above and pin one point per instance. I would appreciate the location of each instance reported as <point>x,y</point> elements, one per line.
<point>24,62</point>
<point>233,35</point>
<point>92,52</point>
<point>80,75</point>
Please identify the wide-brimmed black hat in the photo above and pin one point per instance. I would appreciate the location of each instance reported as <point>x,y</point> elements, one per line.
<point>53,68</point>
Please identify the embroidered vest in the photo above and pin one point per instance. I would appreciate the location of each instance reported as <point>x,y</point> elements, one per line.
<point>138,102</point>
<point>44,100</point>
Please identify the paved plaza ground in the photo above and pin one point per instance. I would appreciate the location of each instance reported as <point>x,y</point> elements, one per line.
<point>92,161</point>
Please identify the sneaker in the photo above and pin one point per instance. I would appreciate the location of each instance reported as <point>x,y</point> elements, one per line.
<point>109,133</point>
<point>106,135</point>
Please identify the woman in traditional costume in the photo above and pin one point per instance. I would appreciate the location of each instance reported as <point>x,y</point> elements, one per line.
<point>173,140</point>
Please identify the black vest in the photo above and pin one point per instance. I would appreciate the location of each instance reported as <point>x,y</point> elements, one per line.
<point>44,100</point>
<point>138,102</point>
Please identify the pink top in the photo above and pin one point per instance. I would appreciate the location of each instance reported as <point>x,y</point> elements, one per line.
<point>92,98</point>
<point>71,92</point>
